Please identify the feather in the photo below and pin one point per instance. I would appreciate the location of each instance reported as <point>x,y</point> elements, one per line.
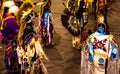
<point>43,4</point>
<point>40,51</point>
<point>68,23</point>
<point>6,5</point>
<point>25,9</point>
<point>13,9</point>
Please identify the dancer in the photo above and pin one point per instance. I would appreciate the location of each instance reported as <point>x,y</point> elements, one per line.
<point>47,27</point>
<point>9,32</point>
<point>99,52</point>
<point>30,52</point>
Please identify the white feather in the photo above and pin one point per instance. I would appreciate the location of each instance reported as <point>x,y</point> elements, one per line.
<point>9,4</point>
<point>13,9</point>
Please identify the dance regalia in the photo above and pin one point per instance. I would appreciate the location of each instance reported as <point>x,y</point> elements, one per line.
<point>82,25</point>
<point>70,6</point>
<point>101,9</point>
<point>47,28</point>
<point>10,30</point>
<point>99,55</point>
<point>76,23</point>
<point>29,50</point>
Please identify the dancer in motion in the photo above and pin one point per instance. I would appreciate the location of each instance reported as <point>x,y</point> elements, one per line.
<point>100,53</point>
<point>76,23</point>
<point>30,52</point>
<point>9,32</point>
<point>47,27</point>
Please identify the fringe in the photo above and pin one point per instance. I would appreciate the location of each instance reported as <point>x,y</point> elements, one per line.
<point>86,67</point>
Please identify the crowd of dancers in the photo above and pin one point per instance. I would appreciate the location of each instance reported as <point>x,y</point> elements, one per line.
<point>99,48</point>
<point>23,45</point>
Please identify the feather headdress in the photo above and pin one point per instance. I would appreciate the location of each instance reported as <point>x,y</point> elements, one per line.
<point>43,4</point>
<point>8,3</point>
<point>5,7</point>
<point>13,9</point>
<point>70,24</point>
<point>25,9</point>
